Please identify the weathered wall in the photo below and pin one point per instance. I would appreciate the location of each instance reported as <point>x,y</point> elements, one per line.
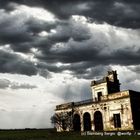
<point>112,109</point>
<point>99,88</point>
<point>118,103</point>
<point>107,109</point>
<point>121,107</point>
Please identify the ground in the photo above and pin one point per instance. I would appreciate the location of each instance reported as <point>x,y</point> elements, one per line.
<point>49,134</point>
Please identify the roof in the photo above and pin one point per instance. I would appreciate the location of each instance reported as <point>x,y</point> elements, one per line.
<point>103,80</point>
<point>109,97</point>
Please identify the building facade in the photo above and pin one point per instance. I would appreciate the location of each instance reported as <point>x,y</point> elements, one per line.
<point>109,109</point>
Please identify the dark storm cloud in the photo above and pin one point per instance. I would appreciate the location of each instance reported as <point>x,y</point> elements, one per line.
<point>94,65</point>
<point>21,32</point>
<point>115,12</point>
<point>91,51</point>
<point>90,72</point>
<point>67,30</point>
<point>126,57</point>
<point>12,63</point>
<point>80,49</point>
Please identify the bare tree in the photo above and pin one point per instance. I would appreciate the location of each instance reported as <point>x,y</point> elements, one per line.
<point>63,120</point>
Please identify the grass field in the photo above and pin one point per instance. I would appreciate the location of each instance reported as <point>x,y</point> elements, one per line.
<point>53,135</point>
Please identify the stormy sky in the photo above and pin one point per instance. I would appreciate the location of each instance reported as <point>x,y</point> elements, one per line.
<point>50,50</point>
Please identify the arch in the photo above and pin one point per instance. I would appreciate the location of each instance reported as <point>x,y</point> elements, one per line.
<point>87,121</point>
<point>76,122</point>
<point>98,121</point>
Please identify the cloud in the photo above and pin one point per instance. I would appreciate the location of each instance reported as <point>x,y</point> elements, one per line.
<point>135,69</point>
<point>50,45</point>
<point>13,63</point>
<point>74,41</point>
<point>4,84</point>
<point>101,11</point>
<point>32,108</point>
<point>104,45</point>
<point>77,41</point>
<point>22,86</point>
<point>26,110</point>
<point>15,29</point>
<point>128,76</point>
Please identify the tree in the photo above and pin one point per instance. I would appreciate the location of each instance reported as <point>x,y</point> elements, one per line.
<point>63,120</point>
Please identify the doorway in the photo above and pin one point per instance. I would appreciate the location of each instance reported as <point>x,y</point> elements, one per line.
<point>87,122</point>
<point>98,121</point>
<point>76,123</point>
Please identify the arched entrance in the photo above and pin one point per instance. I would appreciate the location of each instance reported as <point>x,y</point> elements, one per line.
<point>76,123</point>
<point>98,121</point>
<point>87,122</point>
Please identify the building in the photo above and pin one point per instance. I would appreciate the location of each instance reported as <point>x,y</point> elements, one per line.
<point>109,109</point>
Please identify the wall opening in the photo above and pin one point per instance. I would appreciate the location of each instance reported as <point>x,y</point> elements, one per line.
<point>87,122</point>
<point>98,121</point>
<point>76,123</point>
<point>117,120</point>
<point>99,94</point>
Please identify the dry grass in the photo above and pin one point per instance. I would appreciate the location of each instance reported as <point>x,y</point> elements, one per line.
<point>49,134</point>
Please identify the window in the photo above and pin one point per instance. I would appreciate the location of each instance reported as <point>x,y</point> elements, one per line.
<point>99,96</point>
<point>117,120</point>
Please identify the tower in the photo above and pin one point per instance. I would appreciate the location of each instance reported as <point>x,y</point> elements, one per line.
<point>113,84</point>
<point>106,85</point>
